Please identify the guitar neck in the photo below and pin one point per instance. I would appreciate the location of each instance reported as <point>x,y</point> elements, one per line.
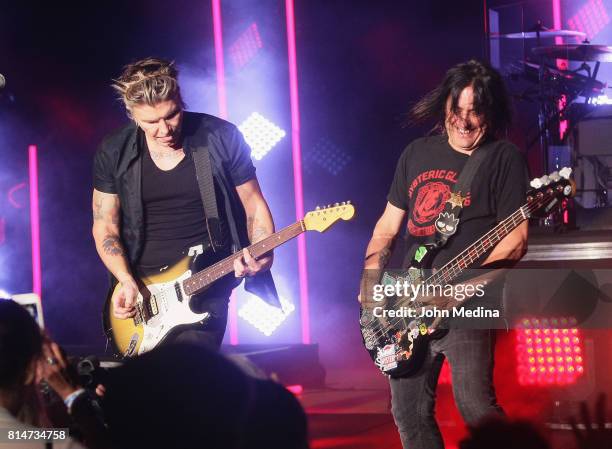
<point>472,253</point>
<point>202,279</point>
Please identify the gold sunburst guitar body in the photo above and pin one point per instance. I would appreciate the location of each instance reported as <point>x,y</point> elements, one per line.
<point>163,301</point>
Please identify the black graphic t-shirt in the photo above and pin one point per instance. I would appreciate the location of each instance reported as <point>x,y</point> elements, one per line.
<point>424,178</point>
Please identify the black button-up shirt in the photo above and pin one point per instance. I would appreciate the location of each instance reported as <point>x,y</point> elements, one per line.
<point>118,170</point>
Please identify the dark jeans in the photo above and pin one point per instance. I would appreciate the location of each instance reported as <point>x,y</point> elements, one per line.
<point>470,355</point>
<point>211,332</point>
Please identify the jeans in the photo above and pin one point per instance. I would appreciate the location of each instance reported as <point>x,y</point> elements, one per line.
<point>211,332</point>
<point>470,355</point>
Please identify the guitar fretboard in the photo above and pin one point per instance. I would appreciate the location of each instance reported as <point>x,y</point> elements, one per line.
<point>472,253</point>
<point>467,257</point>
<point>202,279</point>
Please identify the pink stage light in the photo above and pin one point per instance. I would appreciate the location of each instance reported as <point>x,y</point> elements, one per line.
<point>562,64</point>
<point>232,317</point>
<point>549,355</point>
<point>295,389</point>
<point>12,191</point>
<point>219,62</point>
<point>245,47</point>
<point>590,19</point>
<point>35,220</point>
<point>297,168</point>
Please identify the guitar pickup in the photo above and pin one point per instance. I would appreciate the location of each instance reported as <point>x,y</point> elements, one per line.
<point>154,309</point>
<point>138,318</point>
<point>179,292</point>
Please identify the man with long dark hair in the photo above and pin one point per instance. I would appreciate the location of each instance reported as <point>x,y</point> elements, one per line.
<point>471,110</point>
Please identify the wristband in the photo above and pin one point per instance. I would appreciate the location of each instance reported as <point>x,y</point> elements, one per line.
<point>72,397</point>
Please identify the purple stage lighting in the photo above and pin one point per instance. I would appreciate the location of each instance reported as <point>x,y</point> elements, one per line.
<point>590,19</point>
<point>245,47</point>
<point>328,156</point>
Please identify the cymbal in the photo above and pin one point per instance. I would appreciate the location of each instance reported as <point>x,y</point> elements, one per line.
<point>582,52</point>
<point>543,34</point>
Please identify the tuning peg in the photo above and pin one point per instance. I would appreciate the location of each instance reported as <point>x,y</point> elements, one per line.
<point>348,202</point>
<point>554,176</point>
<point>336,204</point>
<point>343,203</point>
<point>545,180</point>
<point>318,207</point>
<point>536,183</point>
<point>565,172</point>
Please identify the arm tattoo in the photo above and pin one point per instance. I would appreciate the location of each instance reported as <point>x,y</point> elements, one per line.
<point>112,245</point>
<point>115,218</point>
<point>108,215</point>
<point>256,232</point>
<point>259,234</point>
<point>249,226</point>
<point>384,256</point>
<point>97,213</point>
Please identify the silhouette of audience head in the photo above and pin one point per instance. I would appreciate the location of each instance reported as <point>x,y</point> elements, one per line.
<point>187,396</point>
<point>20,346</point>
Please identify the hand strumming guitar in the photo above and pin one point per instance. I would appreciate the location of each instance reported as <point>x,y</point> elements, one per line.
<point>124,303</point>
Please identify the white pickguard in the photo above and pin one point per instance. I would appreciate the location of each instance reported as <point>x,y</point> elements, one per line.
<point>171,312</point>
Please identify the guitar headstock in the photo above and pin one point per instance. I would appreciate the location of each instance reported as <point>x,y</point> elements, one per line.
<point>322,218</point>
<point>556,185</point>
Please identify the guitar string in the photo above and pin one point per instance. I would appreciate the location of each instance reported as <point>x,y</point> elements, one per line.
<point>214,272</point>
<point>518,216</point>
<point>219,269</point>
<point>381,331</point>
<point>515,217</point>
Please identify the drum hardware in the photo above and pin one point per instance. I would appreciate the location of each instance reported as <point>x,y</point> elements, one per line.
<point>556,91</point>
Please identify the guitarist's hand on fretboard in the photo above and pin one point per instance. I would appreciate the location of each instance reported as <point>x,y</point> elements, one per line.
<point>247,265</point>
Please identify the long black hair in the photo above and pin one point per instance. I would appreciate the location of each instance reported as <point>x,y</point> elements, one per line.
<point>491,98</point>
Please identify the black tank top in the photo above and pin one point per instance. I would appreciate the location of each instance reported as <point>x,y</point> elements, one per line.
<point>173,211</point>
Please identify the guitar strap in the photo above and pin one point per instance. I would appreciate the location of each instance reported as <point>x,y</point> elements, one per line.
<point>448,220</point>
<point>206,184</point>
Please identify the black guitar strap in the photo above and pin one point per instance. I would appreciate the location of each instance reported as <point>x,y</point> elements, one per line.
<point>448,220</point>
<point>206,183</point>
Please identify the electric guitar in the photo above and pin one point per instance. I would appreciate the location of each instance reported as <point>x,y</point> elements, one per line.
<point>398,345</point>
<point>163,301</point>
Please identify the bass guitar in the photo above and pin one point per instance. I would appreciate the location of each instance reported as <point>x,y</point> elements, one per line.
<point>163,300</point>
<point>398,345</point>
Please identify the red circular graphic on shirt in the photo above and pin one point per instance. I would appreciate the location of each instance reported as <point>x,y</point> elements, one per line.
<point>430,201</point>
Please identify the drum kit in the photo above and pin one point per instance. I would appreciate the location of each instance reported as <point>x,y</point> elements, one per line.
<point>565,95</point>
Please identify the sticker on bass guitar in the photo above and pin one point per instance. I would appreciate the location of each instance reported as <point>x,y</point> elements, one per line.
<point>386,359</point>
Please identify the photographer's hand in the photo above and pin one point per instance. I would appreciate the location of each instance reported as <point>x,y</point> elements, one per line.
<point>52,367</point>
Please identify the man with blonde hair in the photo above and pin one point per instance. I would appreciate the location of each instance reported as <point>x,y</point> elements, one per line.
<point>148,203</point>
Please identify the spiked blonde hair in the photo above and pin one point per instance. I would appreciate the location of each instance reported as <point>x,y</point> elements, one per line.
<point>148,82</point>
